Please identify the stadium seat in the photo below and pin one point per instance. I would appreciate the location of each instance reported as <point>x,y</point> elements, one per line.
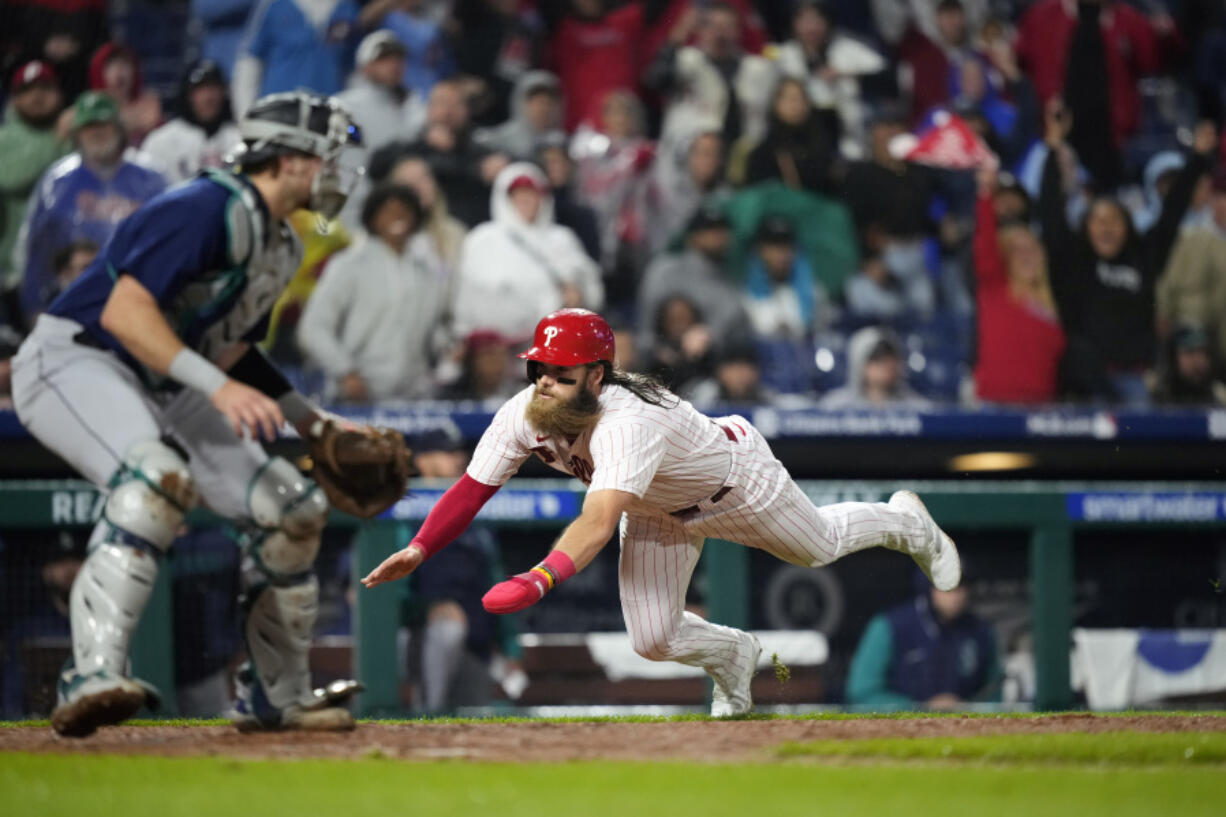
<point>787,366</point>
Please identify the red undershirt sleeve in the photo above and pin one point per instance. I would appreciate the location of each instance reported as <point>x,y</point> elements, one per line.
<point>454,512</point>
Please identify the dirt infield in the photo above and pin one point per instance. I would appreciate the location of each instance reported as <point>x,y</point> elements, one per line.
<point>551,741</point>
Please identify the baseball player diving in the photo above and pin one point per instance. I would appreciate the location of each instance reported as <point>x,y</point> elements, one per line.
<point>668,477</point>
<point>144,376</point>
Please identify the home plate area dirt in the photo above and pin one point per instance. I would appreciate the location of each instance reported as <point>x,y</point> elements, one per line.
<point>712,741</point>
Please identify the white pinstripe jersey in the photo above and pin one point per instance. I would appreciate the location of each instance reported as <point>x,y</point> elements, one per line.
<point>668,457</point>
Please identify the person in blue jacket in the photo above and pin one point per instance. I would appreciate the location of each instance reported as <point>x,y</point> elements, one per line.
<point>930,652</point>
<point>293,44</point>
<point>429,57</point>
<point>82,196</point>
<point>221,24</point>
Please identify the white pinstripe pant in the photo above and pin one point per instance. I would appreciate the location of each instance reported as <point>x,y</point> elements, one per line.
<point>765,509</point>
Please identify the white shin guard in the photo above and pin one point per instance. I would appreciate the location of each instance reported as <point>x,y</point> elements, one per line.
<point>149,495</point>
<point>106,602</point>
<point>282,603</point>
<point>280,624</point>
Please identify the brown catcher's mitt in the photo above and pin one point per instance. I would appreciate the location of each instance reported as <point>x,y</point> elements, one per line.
<point>364,470</point>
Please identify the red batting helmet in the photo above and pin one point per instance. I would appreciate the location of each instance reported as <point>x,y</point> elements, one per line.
<point>571,337</point>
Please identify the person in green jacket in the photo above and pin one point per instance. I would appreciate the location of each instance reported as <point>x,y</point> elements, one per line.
<point>31,138</point>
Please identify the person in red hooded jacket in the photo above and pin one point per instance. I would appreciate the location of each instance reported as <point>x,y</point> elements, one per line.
<point>115,70</point>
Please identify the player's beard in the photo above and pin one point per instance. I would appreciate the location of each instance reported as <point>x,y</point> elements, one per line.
<point>563,418</point>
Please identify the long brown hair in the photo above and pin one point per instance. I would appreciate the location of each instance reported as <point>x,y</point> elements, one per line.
<point>645,387</point>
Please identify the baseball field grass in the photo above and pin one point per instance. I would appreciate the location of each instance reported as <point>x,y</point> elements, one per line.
<point>910,766</point>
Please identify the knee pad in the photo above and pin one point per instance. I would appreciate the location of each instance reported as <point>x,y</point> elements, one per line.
<point>149,495</point>
<point>291,511</point>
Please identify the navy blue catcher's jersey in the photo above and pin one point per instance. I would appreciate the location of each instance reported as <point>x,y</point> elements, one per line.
<point>208,253</point>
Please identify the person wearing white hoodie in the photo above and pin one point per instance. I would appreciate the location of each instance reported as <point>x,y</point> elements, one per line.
<point>370,324</point>
<point>520,264</point>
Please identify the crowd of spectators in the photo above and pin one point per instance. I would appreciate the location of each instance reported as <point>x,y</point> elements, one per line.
<point>729,182</point>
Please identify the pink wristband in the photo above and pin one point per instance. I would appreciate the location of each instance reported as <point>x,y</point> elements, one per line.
<point>559,565</point>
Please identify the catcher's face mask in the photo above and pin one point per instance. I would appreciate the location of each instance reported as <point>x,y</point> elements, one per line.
<point>343,165</point>
<point>335,181</point>
<point>312,125</point>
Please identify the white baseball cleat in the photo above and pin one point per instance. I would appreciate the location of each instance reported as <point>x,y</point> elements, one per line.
<point>939,558</point>
<point>732,694</point>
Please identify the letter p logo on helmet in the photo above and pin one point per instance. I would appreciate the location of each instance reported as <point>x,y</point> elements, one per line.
<point>571,337</point>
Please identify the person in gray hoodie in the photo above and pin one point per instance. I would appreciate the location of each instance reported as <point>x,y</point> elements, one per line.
<point>682,180</point>
<point>536,113</point>
<point>371,323</point>
<point>698,274</point>
<point>875,375</point>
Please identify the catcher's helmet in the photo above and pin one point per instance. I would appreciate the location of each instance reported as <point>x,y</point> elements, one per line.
<point>571,337</point>
<point>303,122</point>
<point>297,121</point>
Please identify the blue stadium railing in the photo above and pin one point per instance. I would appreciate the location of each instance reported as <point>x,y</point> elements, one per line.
<point>804,422</point>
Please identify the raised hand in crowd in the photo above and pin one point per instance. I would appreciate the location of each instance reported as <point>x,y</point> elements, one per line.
<point>1057,122</point>
<point>986,179</point>
<point>491,166</point>
<point>1205,137</point>
<point>685,26</point>
<point>1000,53</point>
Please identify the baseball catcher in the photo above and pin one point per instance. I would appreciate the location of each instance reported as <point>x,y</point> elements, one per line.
<point>145,376</point>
